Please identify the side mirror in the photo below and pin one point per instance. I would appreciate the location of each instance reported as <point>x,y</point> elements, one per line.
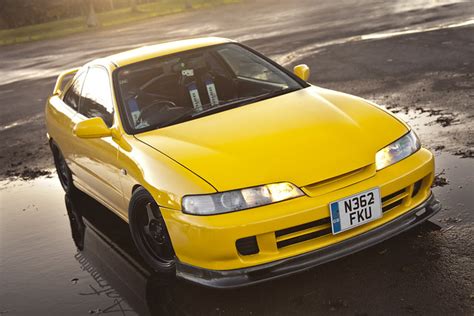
<point>92,128</point>
<point>302,71</point>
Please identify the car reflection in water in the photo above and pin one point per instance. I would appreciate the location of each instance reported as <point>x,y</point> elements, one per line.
<point>106,251</point>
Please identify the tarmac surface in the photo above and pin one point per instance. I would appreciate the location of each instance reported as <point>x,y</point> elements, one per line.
<point>414,57</point>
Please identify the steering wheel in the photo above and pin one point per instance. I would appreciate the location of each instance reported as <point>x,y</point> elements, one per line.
<point>164,105</point>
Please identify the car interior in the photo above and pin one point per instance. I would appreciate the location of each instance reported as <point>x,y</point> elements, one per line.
<point>157,91</point>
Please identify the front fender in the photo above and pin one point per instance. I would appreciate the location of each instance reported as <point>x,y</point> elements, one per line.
<point>165,179</point>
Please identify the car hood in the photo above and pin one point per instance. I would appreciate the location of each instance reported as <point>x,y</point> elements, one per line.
<point>303,137</point>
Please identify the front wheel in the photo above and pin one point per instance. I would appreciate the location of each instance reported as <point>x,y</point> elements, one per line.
<point>63,171</point>
<point>149,232</point>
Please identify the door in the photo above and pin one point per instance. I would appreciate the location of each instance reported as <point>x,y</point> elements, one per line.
<point>61,114</point>
<point>97,162</point>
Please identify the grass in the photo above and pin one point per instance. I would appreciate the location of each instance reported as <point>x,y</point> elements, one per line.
<point>117,17</point>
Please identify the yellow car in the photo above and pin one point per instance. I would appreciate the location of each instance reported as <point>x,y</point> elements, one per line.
<point>229,169</point>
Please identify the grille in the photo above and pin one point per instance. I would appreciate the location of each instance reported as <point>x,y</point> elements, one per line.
<point>391,205</point>
<point>296,234</point>
<point>247,246</point>
<point>391,196</point>
<point>322,227</point>
<point>393,200</point>
<point>294,229</point>
<point>294,240</point>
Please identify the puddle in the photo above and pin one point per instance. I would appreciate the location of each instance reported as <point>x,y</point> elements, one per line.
<point>435,129</point>
<point>457,197</point>
<point>438,129</point>
<point>38,259</point>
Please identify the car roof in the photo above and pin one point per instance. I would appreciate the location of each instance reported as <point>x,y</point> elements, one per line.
<point>162,49</point>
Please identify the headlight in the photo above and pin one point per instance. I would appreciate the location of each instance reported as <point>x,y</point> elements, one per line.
<point>230,201</point>
<point>398,150</point>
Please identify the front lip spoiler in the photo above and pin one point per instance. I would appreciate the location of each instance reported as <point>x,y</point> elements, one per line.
<point>247,276</point>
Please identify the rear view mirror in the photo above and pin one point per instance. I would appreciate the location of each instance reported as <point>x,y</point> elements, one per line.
<point>302,71</point>
<point>92,128</point>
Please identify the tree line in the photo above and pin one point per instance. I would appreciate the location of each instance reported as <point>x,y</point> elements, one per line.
<point>17,13</point>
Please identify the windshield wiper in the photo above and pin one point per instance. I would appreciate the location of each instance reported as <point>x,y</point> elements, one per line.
<point>180,118</point>
<point>193,114</point>
<point>230,104</point>
<point>273,94</point>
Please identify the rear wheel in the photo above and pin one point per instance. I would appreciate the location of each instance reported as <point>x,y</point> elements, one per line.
<point>63,171</point>
<point>149,232</point>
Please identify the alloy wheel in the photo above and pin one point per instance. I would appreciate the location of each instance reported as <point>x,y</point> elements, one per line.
<point>154,234</point>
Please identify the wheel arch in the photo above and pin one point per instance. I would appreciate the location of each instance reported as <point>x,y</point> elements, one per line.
<point>52,143</point>
<point>135,187</point>
<point>166,180</point>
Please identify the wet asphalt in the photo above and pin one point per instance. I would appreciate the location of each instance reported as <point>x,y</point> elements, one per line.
<point>71,256</point>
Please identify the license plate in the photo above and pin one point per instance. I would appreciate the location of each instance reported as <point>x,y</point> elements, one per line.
<point>355,210</point>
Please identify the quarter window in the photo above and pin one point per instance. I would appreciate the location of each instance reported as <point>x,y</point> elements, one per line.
<point>73,94</point>
<point>97,96</point>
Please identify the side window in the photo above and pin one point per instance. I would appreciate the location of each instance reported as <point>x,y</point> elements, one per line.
<point>73,94</point>
<point>97,96</point>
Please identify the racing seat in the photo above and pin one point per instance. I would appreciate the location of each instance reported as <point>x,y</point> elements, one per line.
<point>202,87</point>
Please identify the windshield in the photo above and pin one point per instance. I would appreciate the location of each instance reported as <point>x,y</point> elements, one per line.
<point>184,86</point>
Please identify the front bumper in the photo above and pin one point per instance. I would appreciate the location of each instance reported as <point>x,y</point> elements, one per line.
<point>256,274</point>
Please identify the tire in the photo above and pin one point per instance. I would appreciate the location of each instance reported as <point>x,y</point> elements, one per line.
<point>78,228</point>
<point>63,171</point>
<point>149,232</point>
